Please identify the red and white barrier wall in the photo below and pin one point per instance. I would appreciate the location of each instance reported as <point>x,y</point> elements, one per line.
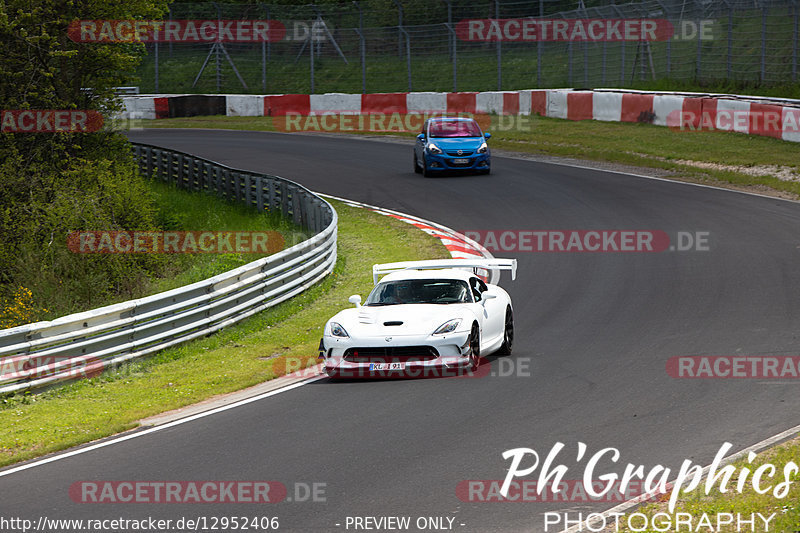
<point>688,112</point>
<point>683,111</point>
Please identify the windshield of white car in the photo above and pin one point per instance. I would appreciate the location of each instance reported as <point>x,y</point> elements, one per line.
<point>420,291</point>
<point>454,128</point>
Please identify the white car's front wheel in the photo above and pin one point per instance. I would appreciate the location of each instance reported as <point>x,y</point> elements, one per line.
<point>508,333</point>
<point>474,348</point>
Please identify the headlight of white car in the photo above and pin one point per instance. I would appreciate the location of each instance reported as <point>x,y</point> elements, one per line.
<point>432,148</point>
<point>483,148</point>
<point>337,330</point>
<point>448,327</point>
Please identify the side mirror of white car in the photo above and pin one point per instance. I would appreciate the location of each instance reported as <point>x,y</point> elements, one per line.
<point>487,296</point>
<point>355,299</point>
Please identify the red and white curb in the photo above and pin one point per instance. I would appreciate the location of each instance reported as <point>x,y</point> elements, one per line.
<point>459,245</point>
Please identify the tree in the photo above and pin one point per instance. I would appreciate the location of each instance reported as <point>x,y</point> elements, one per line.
<point>53,183</point>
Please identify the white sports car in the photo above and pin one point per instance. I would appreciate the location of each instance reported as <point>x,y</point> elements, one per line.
<point>424,318</point>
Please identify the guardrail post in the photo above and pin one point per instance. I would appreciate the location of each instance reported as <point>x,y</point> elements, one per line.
<point>271,195</point>
<point>284,199</point>
<point>236,178</point>
<point>248,191</point>
<point>148,161</point>
<point>172,170</point>
<point>259,194</point>
<point>194,177</point>
<point>297,215</point>
<point>207,177</point>
<point>226,189</point>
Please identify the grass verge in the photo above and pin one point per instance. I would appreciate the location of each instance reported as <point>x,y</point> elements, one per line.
<point>251,352</point>
<point>786,510</point>
<point>181,210</point>
<point>718,158</point>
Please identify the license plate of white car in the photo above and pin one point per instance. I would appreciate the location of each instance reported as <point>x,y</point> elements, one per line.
<point>460,161</point>
<point>387,366</point>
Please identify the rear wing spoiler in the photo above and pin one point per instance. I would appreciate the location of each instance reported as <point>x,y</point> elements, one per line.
<point>432,264</point>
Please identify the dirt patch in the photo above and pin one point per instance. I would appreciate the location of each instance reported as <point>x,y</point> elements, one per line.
<point>776,171</point>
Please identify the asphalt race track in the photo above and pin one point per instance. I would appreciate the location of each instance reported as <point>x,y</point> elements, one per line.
<point>594,333</point>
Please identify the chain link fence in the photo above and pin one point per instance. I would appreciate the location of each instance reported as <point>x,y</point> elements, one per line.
<point>413,45</point>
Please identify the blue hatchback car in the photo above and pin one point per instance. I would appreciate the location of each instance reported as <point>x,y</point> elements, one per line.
<point>448,143</point>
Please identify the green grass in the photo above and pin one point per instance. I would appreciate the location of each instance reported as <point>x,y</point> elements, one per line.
<point>787,509</point>
<point>643,145</point>
<point>257,350</point>
<point>65,292</point>
<point>180,210</point>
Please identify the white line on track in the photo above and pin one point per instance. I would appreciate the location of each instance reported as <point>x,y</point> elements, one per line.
<point>129,436</point>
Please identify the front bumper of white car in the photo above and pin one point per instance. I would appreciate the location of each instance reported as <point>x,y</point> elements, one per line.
<point>393,355</point>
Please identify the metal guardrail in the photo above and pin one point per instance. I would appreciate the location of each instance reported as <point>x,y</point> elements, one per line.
<point>83,344</point>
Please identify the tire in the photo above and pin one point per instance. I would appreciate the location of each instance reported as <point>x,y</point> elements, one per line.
<point>508,334</point>
<point>487,171</point>
<point>417,168</point>
<point>475,348</point>
<point>425,171</point>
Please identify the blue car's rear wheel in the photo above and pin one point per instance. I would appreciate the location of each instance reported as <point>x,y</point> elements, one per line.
<point>417,168</point>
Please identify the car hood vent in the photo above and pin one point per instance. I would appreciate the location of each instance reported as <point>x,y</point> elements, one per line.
<point>393,323</point>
